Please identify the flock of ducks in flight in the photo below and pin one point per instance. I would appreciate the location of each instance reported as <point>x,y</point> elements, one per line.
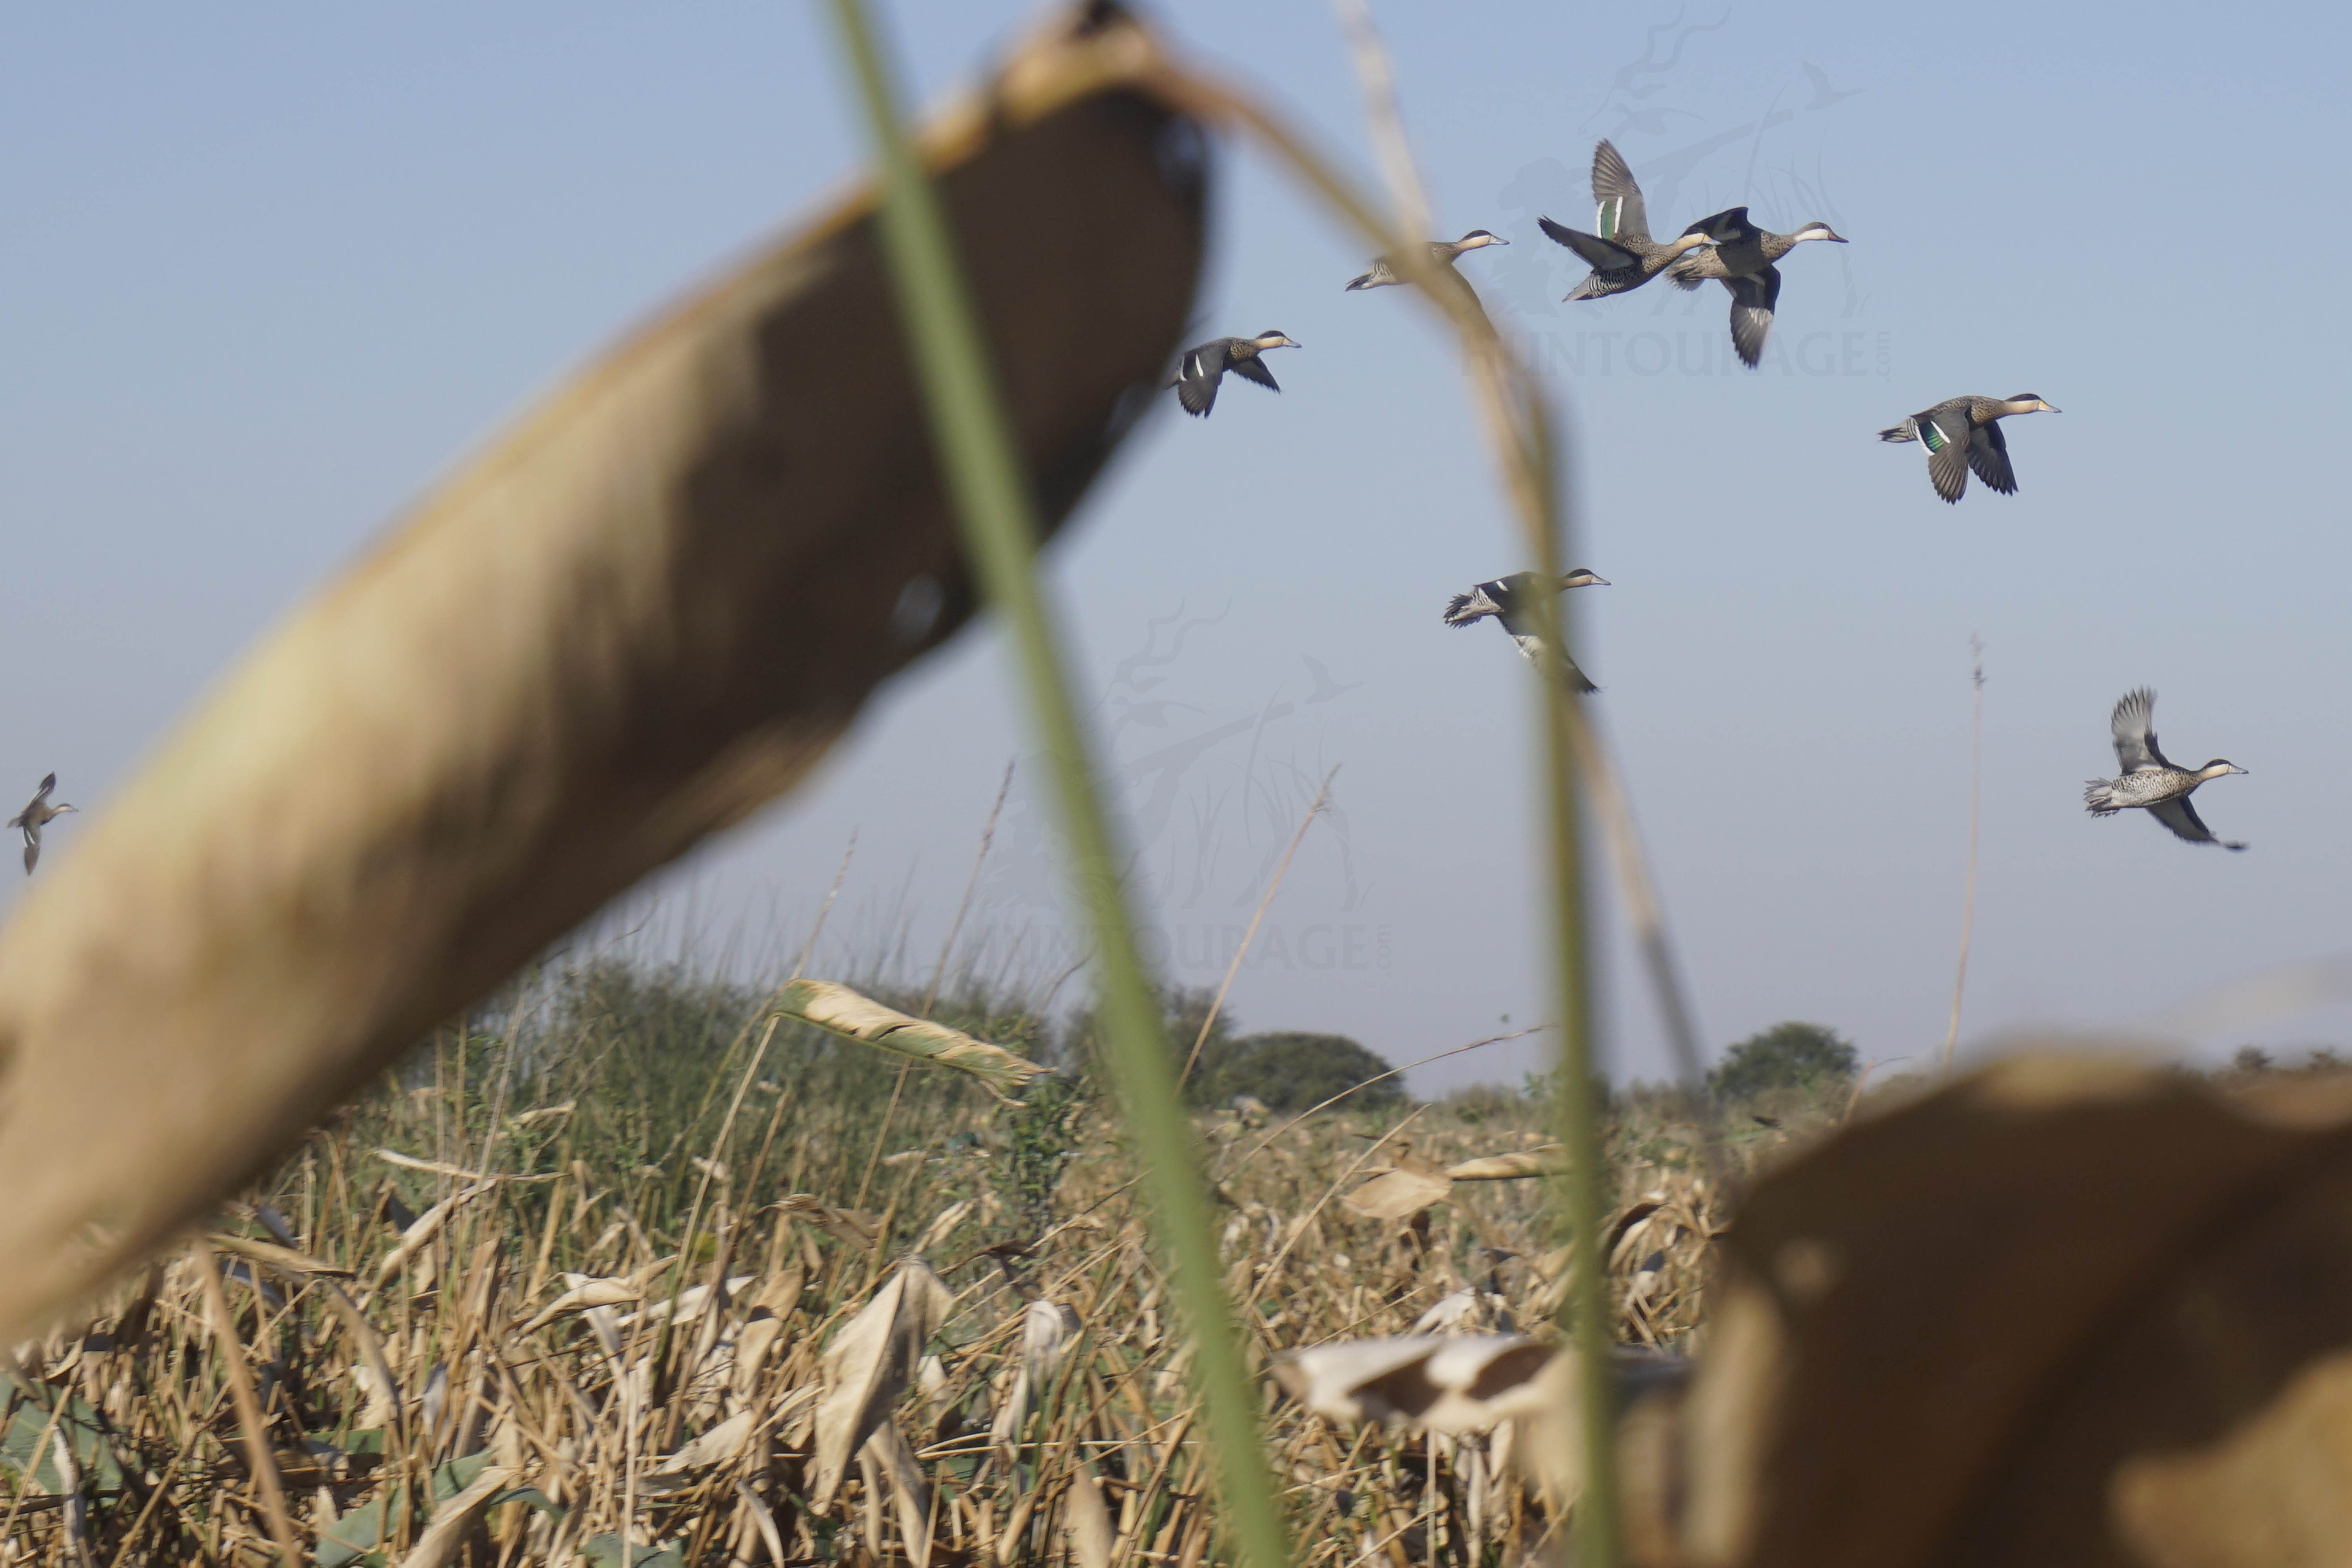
<point>1960,434</point>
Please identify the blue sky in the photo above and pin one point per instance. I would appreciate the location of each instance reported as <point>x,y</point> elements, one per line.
<point>270,270</point>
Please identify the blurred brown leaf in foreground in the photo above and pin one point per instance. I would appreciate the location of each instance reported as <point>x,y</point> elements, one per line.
<point>2067,1311</point>
<point>634,618</point>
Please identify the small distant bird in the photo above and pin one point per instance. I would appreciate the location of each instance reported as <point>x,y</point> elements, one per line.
<point>2148,781</point>
<point>36,814</point>
<point>1963,433</point>
<point>1441,251</point>
<point>1510,600</point>
<point>1621,253</point>
<point>1202,369</point>
<point>1741,261</point>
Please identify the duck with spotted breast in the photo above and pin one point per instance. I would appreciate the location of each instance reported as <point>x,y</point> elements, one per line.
<point>1622,254</point>
<point>1741,261</point>
<point>1444,252</point>
<point>2149,782</point>
<point>1964,433</point>
<point>1201,369</point>
<point>1510,600</point>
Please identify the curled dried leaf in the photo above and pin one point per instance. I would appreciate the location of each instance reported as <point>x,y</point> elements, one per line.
<point>1411,1184</point>
<point>1447,1383</point>
<point>1546,1161</point>
<point>868,1365</point>
<point>425,1227</point>
<point>841,1011</point>
<point>586,1292</point>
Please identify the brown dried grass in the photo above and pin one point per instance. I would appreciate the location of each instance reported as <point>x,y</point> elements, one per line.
<point>682,1403</point>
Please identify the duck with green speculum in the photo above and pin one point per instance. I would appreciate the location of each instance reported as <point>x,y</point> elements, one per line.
<point>1511,600</point>
<point>1621,253</point>
<point>1202,369</point>
<point>2149,782</point>
<point>1964,433</point>
<point>1741,261</point>
<point>1444,252</point>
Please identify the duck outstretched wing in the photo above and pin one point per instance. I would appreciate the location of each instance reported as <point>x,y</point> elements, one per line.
<point>1988,455</point>
<point>1198,393</point>
<point>2180,816</point>
<point>1252,368</point>
<point>1752,302</point>
<point>2133,724</point>
<point>1468,609</point>
<point>1945,433</point>
<point>1600,255</point>
<point>1621,214</point>
<point>1730,226</point>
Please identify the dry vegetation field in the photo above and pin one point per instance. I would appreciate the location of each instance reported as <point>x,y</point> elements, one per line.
<point>583,1269</point>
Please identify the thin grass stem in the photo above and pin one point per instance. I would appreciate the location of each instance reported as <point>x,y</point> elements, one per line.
<point>1976,802</point>
<point>992,503</point>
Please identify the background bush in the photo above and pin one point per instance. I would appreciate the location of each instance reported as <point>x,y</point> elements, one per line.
<point>1808,1057</point>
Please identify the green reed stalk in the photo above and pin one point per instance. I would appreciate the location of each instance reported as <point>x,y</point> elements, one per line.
<point>1598,1530</point>
<point>993,504</point>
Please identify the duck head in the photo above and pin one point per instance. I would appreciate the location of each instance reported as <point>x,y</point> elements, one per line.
<point>1819,230</point>
<point>2032,403</point>
<point>1478,239</point>
<point>2219,767</point>
<point>1582,578</point>
<point>1272,338</point>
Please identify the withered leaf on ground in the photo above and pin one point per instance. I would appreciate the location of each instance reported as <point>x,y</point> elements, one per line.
<point>634,618</point>
<point>1410,1184</point>
<point>868,1365</point>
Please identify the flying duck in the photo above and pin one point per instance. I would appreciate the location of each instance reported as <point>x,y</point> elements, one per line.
<point>1741,261</point>
<point>1441,251</point>
<point>2148,781</point>
<point>1509,600</point>
<point>1962,433</point>
<point>1621,254</point>
<point>1202,368</point>
<point>36,815</point>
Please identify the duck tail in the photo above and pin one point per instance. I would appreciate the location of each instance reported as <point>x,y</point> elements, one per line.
<point>1457,611</point>
<point>2099,798</point>
<point>1362,281</point>
<point>1906,431</point>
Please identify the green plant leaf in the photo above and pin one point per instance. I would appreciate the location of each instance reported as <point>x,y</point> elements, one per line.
<point>604,1551</point>
<point>85,1435</point>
